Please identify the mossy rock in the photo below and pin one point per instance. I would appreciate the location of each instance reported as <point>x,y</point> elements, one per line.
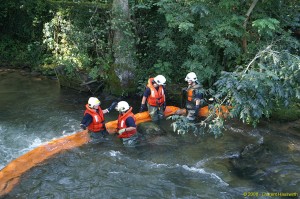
<point>114,86</point>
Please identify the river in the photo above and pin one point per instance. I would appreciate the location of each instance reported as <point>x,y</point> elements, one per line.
<point>243,163</point>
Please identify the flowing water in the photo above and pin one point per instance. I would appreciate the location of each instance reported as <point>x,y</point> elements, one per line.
<point>244,162</point>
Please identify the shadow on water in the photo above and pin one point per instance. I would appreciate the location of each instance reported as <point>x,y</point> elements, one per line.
<point>164,165</point>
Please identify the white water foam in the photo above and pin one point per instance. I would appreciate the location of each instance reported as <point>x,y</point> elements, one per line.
<point>202,171</point>
<point>114,172</point>
<point>254,133</point>
<point>155,165</point>
<point>113,153</point>
<point>35,143</point>
<point>236,130</point>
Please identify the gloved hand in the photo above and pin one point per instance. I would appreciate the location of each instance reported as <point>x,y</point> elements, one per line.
<point>143,107</point>
<point>121,131</point>
<point>197,108</point>
<point>112,106</point>
<point>83,126</point>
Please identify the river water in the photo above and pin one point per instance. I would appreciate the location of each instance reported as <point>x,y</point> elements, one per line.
<point>243,162</point>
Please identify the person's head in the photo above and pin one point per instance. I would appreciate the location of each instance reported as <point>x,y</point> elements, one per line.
<point>159,80</point>
<point>122,107</point>
<point>94,102</point>
<point>191,78</point>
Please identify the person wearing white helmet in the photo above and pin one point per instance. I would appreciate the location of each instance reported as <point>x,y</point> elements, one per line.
<point>93,118</point>
<point>194,96</point>
<point>126,124</point>
<point>154,94</point>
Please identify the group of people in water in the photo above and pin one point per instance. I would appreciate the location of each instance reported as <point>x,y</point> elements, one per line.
<point>153,98</point>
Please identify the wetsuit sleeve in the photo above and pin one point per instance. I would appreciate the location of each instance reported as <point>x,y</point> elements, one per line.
<point>130,122</point>
<point>147,92</point>
<point>86,120</point>
<point>198,95</point>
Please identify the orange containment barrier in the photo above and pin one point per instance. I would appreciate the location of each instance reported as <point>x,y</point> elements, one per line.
<point>223,111</point>
<point>10,175</point>
<point>140,118</point>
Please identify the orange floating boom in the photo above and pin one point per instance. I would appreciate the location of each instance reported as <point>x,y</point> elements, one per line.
<point>10,175</point>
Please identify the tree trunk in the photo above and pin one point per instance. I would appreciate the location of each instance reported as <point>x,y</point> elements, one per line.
<point>123,43</point>
<point>245,23</point>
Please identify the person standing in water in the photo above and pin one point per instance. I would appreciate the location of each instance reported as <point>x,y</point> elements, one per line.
<point>93,118</point>
<point>154,94</point>
<point>194,96</point>
<point>126,129</point>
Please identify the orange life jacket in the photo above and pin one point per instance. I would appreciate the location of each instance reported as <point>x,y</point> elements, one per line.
<point>157,97</point>
<point>190,94</point>
<point>98,119</point>
<point>122,124</point>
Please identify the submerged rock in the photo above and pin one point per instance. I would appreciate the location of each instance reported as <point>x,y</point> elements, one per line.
<point>154,134</point>
<point>150,129</point>
<point>259,163</point>
<point>250,159</point>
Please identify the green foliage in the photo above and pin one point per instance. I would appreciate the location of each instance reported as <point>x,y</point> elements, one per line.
<point>163,68</point>
<point>266,26</point>
<point>183,126</point>
<point>286,114</point>
<point>254,91</point>
<point>20,25</point>
<point>71,44</point>
<point>271,79</point>
<point>167,45</point>
<point>36,54</point>
<point>66,43</point>
<point>212,124</point>
<point>206,37</point>
<point>12,52</point>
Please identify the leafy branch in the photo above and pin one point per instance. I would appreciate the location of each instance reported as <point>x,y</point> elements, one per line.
<point>270,79</point>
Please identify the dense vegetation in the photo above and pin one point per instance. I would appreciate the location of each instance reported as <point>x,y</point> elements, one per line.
<point>245,52</point>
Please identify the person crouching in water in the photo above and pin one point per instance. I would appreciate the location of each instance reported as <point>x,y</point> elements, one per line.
<point>194,94</point>
<point>126,124</point>
<point>155,96</point>
<point>93,118</point>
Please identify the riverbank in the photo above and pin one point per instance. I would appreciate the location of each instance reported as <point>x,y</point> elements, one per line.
<point>28,72</point>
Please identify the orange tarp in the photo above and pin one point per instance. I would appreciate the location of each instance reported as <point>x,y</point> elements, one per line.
<point>10,175</point>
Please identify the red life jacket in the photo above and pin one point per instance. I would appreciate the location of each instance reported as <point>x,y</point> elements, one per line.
<point>122,124</point>
<point>156,97</point>
<point>98,119</point>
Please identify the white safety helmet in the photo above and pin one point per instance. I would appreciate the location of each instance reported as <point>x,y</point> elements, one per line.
<point>93,101</point>
<point>122,106</point>
<point>191,77</point>
<point>160,80</point>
